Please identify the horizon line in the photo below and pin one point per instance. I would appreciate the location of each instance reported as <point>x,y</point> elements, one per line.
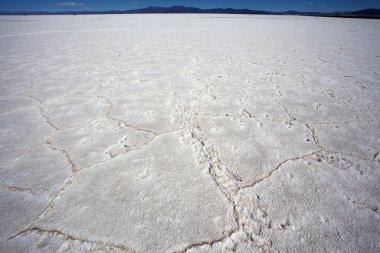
<point>183,6</point>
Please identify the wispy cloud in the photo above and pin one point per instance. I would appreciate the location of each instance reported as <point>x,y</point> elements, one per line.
<point>71,4</point>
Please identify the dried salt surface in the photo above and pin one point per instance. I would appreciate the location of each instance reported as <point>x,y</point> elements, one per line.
<point>293,208</point>
<point>28,185</point>
<point>189,133</point>
<point>128,195</point>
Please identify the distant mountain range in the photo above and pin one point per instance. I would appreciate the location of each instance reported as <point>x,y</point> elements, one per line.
<point>367,13</point>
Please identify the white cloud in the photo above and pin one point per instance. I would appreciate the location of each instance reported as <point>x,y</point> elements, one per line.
<point>71,4</point>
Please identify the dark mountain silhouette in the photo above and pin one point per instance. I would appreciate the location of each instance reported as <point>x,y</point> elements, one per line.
<point>367,13</point>
<point>183,9</point>
<point>173,9</point>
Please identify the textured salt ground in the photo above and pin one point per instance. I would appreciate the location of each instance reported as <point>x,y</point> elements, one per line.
<point>176,133</point>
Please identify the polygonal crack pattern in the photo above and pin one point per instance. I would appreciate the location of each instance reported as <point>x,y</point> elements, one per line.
<point>189,133</point>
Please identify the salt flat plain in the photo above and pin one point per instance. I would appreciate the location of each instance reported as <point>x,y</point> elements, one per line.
<point>189,133</point>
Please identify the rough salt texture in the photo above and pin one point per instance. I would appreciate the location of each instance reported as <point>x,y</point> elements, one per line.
<point>189,133</point>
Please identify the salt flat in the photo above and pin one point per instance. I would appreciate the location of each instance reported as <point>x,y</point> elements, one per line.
<point>189,133</point>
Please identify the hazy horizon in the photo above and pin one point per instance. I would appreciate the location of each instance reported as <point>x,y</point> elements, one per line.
<point>102,5</point>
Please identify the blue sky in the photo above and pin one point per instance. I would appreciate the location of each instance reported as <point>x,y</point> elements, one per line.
<point>269,5</point>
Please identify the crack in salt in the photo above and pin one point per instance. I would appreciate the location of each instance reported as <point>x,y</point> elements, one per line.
<point>16,188</point>
<point>55,232</point>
